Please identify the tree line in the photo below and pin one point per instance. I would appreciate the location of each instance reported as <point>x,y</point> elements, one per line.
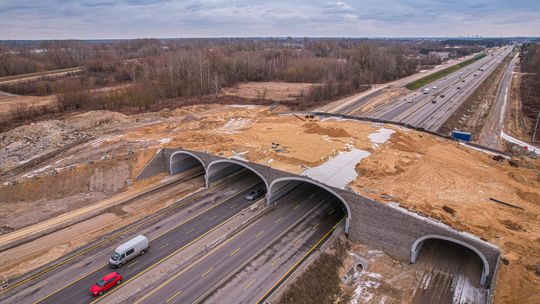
<point>156,70</point>
<point>530,79</point>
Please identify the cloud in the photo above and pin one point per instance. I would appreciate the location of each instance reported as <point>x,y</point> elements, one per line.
<point>45,19</point>
<point>338,7</point>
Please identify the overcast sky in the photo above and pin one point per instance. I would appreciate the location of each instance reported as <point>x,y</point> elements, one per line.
<point>86,19</point>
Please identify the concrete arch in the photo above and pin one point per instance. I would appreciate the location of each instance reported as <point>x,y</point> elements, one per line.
<point>271,190</point>
<point>186,154</point>
<point>213,164</point>
<point>417,246</point>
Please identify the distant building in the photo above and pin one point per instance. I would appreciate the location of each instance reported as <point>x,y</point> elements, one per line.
<point>441,55</point>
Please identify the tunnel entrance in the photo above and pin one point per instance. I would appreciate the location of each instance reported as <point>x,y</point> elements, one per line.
<point>182,161</point>
<point>281,187</point>
<point>222,168</point>
<point>453,257</point>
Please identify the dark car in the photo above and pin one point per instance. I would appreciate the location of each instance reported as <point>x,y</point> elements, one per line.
<point>253,194</point>
<point>442,95</point>
<point>106,283</point>
<point>434,101</point>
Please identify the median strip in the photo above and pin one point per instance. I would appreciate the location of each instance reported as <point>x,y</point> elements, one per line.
<point>442,73</point>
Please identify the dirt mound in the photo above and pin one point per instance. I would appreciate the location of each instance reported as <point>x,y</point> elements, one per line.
<point>314,128</point>
<point>26,143</point>
<point>38,140</point>
<point>392,164</point>
<point>413,142</point>
<point>94,119</point>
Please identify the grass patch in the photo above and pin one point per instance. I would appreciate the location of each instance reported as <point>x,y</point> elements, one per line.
<point>440,74</point>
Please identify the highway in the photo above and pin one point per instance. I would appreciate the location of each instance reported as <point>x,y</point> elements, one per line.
<point>490,134</point>
<point>418,109</point>
<point>192,221</point>
<point>267,272</point>
<point>194,283</point>
<point>353,103</point>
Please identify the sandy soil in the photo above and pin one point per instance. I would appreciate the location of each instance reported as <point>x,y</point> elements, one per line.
<point>268,90</point>
<point>444,173</point>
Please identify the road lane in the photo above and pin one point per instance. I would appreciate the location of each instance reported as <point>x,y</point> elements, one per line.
<point>76,291</point>
<point>268,270</point>
<point>421,112</point>
<point>193,282</point>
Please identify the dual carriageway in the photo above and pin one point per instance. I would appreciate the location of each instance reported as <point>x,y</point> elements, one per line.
<point>311,212</point>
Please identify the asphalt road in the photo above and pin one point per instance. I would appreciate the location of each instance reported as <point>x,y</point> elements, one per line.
<point>490,134</point>
<point>350,106</point>
<point>260,277</point>
<point>450,274</point>
<point>76,290</point>
<point>194,282</point>
<point>421,112</point>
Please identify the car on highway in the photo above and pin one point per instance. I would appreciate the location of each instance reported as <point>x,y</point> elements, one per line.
<point>434,88</point>
<point>425,91</point>
<point>434,101</point>
<point>128,251</point>
<point>107,282</point>
<point>459,88</point>
<point>253,194</point>
<point>463,80</point>
<point>442,95</point>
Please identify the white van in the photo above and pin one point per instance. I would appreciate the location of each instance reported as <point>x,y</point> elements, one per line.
<point>128,251</point>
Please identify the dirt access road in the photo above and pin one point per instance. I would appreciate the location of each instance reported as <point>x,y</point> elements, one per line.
<point>37,75</point>
<point>490,134</point>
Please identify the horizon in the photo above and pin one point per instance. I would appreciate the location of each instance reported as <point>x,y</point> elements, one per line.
<point>291,37</point>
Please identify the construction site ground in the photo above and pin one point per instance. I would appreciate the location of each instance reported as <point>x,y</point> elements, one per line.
<point>424,173</point>
<point>277,91</point>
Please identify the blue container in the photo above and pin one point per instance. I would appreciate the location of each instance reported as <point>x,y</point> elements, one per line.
<point>460,135</point>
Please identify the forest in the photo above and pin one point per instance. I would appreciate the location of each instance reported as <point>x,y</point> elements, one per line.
<point>145,72</point>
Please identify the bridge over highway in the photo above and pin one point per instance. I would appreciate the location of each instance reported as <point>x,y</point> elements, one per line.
<point>387,227</point>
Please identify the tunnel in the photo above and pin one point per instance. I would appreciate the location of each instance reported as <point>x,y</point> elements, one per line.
<point>219,169</point>
<point>451,255</point>
<point>181,161</point>
<point>282,186</point>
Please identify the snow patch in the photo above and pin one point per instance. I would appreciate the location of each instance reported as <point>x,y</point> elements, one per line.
<point>519,143</point>
<point>339,170</point>
<point>381,136</point>
<point>362,292</point>
<point>465,292</point>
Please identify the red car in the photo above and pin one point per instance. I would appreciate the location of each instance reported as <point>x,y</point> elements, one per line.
<point>106,283</point>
